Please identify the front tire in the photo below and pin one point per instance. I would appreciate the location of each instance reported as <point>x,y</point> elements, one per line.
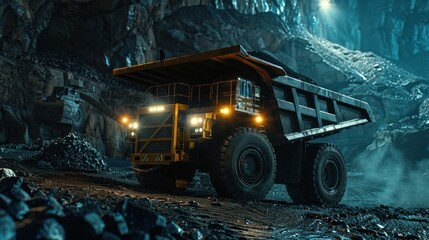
<point>324,177</point>
<point>78,120</point>
<point>245,167</point>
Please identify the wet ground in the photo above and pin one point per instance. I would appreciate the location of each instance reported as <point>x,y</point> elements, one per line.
<point>358,217</point>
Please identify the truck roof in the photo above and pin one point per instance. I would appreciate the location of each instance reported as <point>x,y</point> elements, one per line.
<point>201,68</point>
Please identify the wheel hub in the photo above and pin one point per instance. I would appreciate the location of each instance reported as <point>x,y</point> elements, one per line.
<point>77,116</point>
<point>250,167</point>
<point>331,175</point>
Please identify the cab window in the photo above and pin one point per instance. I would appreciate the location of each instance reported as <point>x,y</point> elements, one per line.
<point>246,89</point>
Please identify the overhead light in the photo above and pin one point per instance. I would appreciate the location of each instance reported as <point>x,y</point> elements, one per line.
<point>325,4</point>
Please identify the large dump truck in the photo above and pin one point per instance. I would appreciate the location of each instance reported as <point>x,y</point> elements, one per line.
<point>244,121</point>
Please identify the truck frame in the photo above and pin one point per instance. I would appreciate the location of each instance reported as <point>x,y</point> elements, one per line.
<point>244,121</point>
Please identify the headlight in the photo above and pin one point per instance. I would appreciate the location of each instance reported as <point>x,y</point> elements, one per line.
<point>195,121</point>
<point>156,109</point>
<point>132,134</point>
<point>124,120</point>
<point>224,111</point>
<point>133,125</point>
<point>198,130</point>
<point>258,119</point>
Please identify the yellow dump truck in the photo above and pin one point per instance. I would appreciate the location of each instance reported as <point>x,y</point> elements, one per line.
<point>244,121</point>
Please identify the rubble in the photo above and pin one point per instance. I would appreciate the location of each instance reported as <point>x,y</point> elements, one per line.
<point>43,217</point>
<point>6,172</point>
<point>7,226</point>
<point>71,152</point>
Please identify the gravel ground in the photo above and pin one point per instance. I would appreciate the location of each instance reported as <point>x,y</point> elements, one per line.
<point>198,210</point>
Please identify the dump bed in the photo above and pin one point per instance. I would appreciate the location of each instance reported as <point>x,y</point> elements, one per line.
<point>295,110</point>
<point>306,110</point>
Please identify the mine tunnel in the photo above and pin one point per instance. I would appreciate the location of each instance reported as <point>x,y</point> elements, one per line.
<point>221,119</point>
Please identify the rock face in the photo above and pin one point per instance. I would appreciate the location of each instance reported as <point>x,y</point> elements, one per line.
<point>21,22</point>
<point>396,30</point>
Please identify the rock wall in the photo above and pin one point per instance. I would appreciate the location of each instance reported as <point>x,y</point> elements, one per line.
<point>394,29</point>
<point>90,37</point>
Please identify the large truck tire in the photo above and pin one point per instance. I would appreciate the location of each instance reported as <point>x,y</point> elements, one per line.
<point>165,178</point>
<point>245,166</point>
<point>324,177</point>
<point>78,120</point>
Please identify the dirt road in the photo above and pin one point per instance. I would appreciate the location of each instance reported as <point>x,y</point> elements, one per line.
<point>198,207</point>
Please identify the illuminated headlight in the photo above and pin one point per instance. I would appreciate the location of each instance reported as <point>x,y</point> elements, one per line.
<point>195,121</point>
<point>134,125</point>
<point>156,109</point>
<point>124,120</point>
<point>198,130</point>
<point>258,119</point>
<point>132,134</point>
<point>224,111</point>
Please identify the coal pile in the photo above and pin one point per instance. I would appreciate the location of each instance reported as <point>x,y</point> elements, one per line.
<point>28,213</point>
<point>71,153</point>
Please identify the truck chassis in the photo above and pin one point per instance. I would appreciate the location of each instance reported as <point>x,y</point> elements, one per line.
<point>244,121</point>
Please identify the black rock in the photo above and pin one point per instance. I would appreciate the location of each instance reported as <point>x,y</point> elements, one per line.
<point>38,193</point>
<point>140,219</point>
<point>88,226</point>
<point>137,235</point>
<point>54,212</point>
<point>46,201</point>
<point>4,201</point>
<point>29,187</point>
<point>109,236</point>
<point>83,206</point>
<point>212,237</point>
<point>45,229</point>
<point>163,237</point>
<point>174,229</point>
<point>6,184</point>
<point>7,226</point>
<point>6,172</point>
<point>18,194</point>
<point>18,210</point>
<point>194,234</point>
<point>116,223</point>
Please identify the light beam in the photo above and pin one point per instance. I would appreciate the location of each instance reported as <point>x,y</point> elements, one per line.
<point>325,4</point>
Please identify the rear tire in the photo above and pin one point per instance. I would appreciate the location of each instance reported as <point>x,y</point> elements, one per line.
<point>165,178</point>
<point>245,167</point>
<point>324,177</point>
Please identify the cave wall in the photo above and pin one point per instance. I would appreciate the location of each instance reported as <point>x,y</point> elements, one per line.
<point>394,29</point>
<point>119,33</point>
<point>106,34</point>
